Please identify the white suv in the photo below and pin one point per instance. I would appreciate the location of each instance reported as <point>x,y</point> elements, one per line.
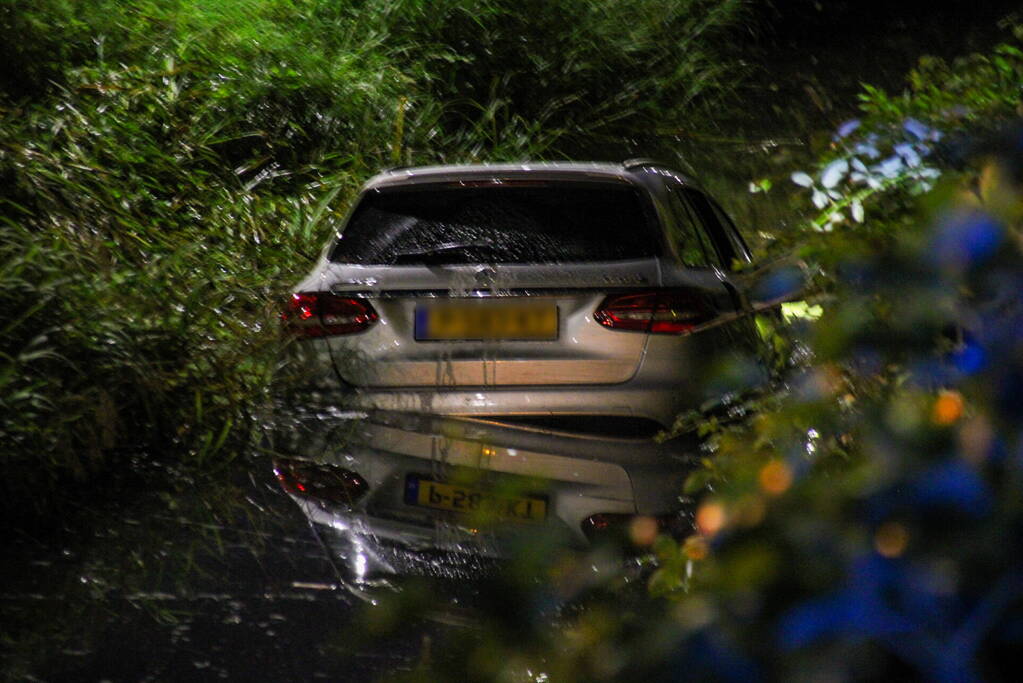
<point>548,292</point>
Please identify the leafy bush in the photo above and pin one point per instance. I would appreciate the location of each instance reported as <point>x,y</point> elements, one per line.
<point>863,521</point>
<point>903,142</point>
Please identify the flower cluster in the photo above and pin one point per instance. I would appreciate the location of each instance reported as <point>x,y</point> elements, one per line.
<point>871,164</point>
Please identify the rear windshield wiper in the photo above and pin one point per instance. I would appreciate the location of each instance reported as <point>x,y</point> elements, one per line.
<point>438,251</point>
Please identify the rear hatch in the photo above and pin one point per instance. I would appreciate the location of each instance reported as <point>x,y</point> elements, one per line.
<point>491,282</point>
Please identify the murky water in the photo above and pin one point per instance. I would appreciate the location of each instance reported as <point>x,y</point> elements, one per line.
<point>245,575</point>
<point>222,580</point>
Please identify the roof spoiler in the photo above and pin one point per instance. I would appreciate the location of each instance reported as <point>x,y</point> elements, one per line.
<point>630,164</point>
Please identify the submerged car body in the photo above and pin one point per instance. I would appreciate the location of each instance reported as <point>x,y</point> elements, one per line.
<point>406,494</point>
<point>541,291</point>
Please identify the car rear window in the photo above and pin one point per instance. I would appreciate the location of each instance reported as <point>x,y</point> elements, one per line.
<point>499,223</point>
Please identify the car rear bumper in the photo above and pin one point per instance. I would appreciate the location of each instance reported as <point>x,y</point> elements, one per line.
<point>660,404</point>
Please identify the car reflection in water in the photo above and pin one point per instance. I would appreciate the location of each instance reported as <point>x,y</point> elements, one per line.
<point>413,495</point>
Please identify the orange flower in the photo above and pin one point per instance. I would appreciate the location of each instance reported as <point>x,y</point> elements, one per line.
<point>891,539</point>
<point>948,408</point>
<point>710,517</point>
<point>775,477</point>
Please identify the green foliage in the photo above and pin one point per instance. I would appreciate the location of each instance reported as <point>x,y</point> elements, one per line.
<point>850,524</point>
<point>975,87</point>
<point>170,167</point>
<point>861,521</point>
<point>879,491</point>
<point>878,164</point>
<point>298,80</point>
<point>569,72</point>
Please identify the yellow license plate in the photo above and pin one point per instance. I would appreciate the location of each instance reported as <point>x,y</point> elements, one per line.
<point>487,320</point>
<point>442,496</point>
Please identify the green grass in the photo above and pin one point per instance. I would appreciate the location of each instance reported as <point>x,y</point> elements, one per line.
<point>171,167</point>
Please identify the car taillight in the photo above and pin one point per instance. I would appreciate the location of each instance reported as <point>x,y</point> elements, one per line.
<point>322,314</point>
<point>664,312</point>
<point>604,522</point>
<point>323,482</point>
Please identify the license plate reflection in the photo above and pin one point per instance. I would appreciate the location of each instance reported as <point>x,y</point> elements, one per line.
<point>438,495</point>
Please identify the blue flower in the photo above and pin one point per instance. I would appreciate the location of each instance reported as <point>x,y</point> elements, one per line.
<point>868,147</point>
<point>970,359</point>
<point>846,128</point>
<point>834,172</point>
<point>802,179</point>
<point>867,150</point>
<point>953,483</point>
<point>782,283</point>
<point>966,239</point>
<point>908,154</point>
<point>859,610</point>
<point>890,167</point>
<point>916,129</point>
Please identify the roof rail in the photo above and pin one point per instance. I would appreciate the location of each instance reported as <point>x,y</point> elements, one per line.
<point>630,164</point>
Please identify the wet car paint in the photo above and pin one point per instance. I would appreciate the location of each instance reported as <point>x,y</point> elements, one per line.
<point>382,535</point>
<point>586,369</point>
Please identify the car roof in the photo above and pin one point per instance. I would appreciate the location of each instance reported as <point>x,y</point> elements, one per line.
<point>626,172</point>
